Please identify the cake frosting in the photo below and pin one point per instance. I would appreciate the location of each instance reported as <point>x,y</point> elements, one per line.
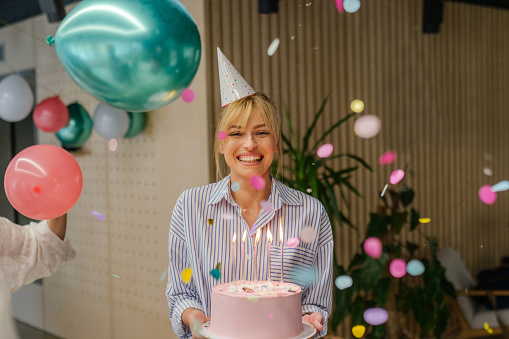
<point>261,309</point>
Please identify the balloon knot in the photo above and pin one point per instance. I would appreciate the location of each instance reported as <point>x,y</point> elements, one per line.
<point>50,40</point>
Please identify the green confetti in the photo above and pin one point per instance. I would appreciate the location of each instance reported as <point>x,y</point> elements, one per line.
<point>216,273</point>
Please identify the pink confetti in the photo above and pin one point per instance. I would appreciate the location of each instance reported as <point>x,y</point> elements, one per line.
<point>227,216</point>
<point>187,95</point>
<point>486,195</point>
<point>293,242</point>
<point>266,206</point>
<point>113,144</point>
<point>325,150</point>
<point>221,135</point>
<point>387,158</point>
<point>307,234</point>
<point>271,316</point>
<point>339,6</point>
<point>373,247</point>
<point>396,176</point>
<point>257,182</point>
<point>98,215</point>
<point>398,268</point>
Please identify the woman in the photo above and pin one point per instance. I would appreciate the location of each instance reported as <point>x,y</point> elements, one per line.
<point>206,218</point>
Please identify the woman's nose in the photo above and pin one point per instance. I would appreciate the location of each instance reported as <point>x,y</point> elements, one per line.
<point>250,143</point>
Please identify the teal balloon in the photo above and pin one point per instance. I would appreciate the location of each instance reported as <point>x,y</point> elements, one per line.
<point>79,128</point>
<point>137,123</point>
<point>134,55</point>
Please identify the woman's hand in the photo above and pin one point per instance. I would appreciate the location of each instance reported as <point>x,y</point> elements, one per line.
<point>315,320</point>
<point>195,319</point>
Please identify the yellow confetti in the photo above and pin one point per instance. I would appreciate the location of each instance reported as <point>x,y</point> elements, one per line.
<point>211,221</point>
<point>186,275</point>
<point>252,298</point>
<point>357,106</point>
<point>487,328</point>
<point>358,330</point>
<point>424,220</point>
<point>218,266</point>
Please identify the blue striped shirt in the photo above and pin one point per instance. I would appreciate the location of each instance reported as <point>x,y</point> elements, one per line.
<point>195,243</point>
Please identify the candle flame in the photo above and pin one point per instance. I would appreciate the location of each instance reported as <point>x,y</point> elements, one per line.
<point>244,236</point>
<point>234,237</point>
<point>257,236</point>
<point>280,231</point>
<point>269,236</point>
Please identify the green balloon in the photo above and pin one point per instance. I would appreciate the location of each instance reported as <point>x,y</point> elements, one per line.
<point>137,124</point>
<point>79,128</point>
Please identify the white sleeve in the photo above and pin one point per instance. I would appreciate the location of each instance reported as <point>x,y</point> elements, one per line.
<point>28,253</point>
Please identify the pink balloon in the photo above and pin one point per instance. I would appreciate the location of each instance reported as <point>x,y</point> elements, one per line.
<point>373,247</point>
<point>486,195</point>
<point>325,150</point>
<point>398,268</point>
<point>257,182</point>
<point>51,115</point>
<point>387,158</point>
<point>396,176</point>
<point>187,95</point>
<point>43,182</point>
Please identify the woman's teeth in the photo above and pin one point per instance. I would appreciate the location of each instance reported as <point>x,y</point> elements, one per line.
<point>250,158</point>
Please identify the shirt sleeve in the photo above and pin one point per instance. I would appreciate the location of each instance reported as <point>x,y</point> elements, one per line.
<point>318,296</point>
<point>30,252</point>
<point>180,295</point>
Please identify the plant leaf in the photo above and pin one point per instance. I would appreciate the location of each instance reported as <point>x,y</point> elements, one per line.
<point>331,129</point>
<point>411,247</point>
<point>371,272</point>
<point>414,219</point>
<point>381,291</point>
<point>351,156</point>
<point>377,225</point>
<point>398,221</point>
<point>407,195</point>
<point>312,126</point>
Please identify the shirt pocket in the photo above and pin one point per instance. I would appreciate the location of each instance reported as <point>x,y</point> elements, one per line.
<point>297,265</point>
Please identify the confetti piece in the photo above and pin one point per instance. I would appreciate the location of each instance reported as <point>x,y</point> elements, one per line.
<point>235,186</point>
<point>187,95</point>
<point>339,6</point>
<point>273,47</point>
<point>486,195</point>
<point>343,282</point>
<point>215,273</point>
<point>252,298</point>
<point>227,216</point>
<point>116,276</point>
<point>487,328</point>
<point>221,135</point>
<point>98,215</point>
<point>163,275</point>
<point>357,106</point>
<point>396,176</point>
<point>307,234</point>
<point>266,206</point>
<point>385,188</point>
<point>210,221</point>
<point>424,220</point>
<point>487,171</point>
<point>387,158</point>
<point>397,269</point>
<point>373,247</point>
<point>218,266</point>
<point>253,229</point>
<point>186,275</point>
<point>293,242</point>
<point>415,267</point>
<point>351,6</point>
<point>367,126</point>
<point>271,316</point>
<point>113,145</point>
<point>325,150</point>
<point>375,316</point>
<point>501,186</point>
<point>309,190</point>
<point>257,182</point>
<point>358,331</point>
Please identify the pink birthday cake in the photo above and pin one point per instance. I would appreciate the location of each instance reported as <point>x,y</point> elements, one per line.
<point>256,309</point>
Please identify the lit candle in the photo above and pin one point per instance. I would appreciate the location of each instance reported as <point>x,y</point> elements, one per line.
<point>243,267</point>
<point>234,263</point>
<point>281,244</point>
<point>255,255</point>
<point>269,240</point>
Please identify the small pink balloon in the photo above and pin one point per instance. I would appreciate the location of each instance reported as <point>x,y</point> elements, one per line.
<point>486,195</point>
<point>187,95</point>
<point>257,182</point>
<point>293,242</point>
<point>396,176</point>
<point>373,247</point>
<point>398,268</point>
<point>339,6</point>
<point>387,158</point>
<point>221,135</point>
<point>307,234</point>
<point>325,150</point>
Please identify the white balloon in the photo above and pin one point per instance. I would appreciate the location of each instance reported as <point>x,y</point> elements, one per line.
<point>367,126</point>
<point>109,122</point>
<point>16,98</point>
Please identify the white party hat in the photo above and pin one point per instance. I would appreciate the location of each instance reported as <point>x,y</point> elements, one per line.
<point>233,86</point>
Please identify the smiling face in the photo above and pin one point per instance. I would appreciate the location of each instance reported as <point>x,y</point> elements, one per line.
<point>249,150</point>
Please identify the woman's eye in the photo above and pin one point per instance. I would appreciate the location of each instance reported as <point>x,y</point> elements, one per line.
<point>235,134</point>
<point>263,133</point>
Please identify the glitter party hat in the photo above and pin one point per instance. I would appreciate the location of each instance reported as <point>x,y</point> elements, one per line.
<point>233,85</point>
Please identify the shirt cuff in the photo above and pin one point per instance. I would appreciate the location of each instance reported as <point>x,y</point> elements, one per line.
<point>62,247</point>
<point>325,315</point>
<point>179,328</point>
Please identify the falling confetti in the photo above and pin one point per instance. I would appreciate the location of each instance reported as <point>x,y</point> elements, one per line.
<point>163,275</point>
<point>376,316</point>
<point>227,216</point>
<point>253,229</point>
<point>387,158</point>
<point>396,176</point>
<point>221,135</point>
<point>235,186</point>
<point>307,234</point>
<point>210,221</point>
<point>271,316</point>
<point>351,6</point>
<point>309,190</point>
<point>343,282</point>
<point>486,195</point>
<point>252,298</point>
<point>397,269</point>
<point>215,273</point>
<point>257,182</point>
<point>424,220</point>
<point>98,215</point>
<point>113,145</point>
<point>487,328</point>
<point>339,6</point>
<point>373,247</point>
<point>266,206</point>
<point>501,186</point>
<point>218,266</point>
<point>357,106</point>
<point>415,267</point>
<point>487,171</point>
<point>325,150</point>
<point>116,276</point>
<point>187,95</point>
<point>385,188</point>
<point>273,47</point>
<point>293,242</point>
<point>358,331</point>
<point>186,275</point>
<point>367,126</point>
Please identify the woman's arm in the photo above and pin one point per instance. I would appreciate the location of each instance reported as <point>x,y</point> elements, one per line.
<point>58,225</point>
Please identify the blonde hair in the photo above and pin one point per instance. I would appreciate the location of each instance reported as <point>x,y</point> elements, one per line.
<point>242,109</point>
